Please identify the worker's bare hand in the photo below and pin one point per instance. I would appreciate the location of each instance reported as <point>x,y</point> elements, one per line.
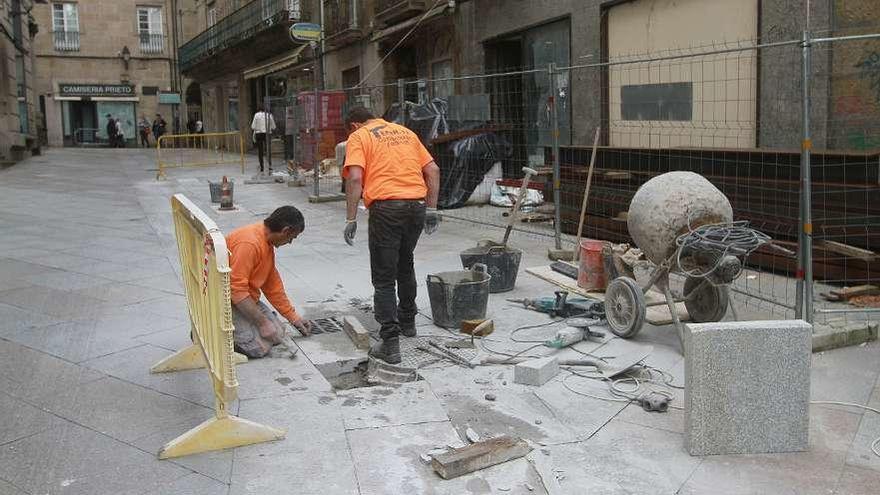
<point>304,326</point>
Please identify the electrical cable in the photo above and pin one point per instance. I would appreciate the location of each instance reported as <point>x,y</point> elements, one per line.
<point>506,354</point>
<point>852,404</point>
<point>396,46</point>
<point>718,240</point>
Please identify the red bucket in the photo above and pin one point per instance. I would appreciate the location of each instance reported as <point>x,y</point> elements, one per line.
<point>591,272</point>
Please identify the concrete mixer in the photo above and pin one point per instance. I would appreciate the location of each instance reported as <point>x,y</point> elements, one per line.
<point>683,224</point>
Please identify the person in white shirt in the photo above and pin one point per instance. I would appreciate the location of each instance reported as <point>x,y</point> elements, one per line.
<point>262,124</point>
<point>120,136</point>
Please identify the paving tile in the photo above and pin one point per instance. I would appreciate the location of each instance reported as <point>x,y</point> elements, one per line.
<point>21,419</point>
<point>72,341</point>
<point>75,460</point>
<point>121,410</point>
<point>813,472</point>
<point>121,294</point>
<point>13,319</point>
<point>169,306</point>
<point>848,374</point>
<point>28,374</point>
<point>171,339</point>
<point>13,269</point>
<point>373,407</point>
<point>310,418</point>
<point>65,280</point>
<point>133,365</point>
<point>268,377</point>
<point>860,453</point>
<point>193,484</point>
<point>857,481</point>
<point>166,283</point>
<point>216,465</point>
<point>9,489</point>
<point>623,458</point>
<point>52,302</point>
<point>132,321</point>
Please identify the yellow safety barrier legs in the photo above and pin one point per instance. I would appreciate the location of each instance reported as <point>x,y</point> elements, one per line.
<point>204,264</point>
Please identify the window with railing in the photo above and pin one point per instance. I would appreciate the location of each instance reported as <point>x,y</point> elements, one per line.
<point>341,16</point>
<point>65,26</point>
<point>150,34</point>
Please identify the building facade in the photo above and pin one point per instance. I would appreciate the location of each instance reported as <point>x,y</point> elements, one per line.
<point>730,99</point>
<point>19,131</point>
<point>96,58</point>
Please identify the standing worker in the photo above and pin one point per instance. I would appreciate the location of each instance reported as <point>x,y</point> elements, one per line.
<point>252,261</point>
<point>262,124</point>
<point>400,183</point>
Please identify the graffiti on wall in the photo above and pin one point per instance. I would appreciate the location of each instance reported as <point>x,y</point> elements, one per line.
<point>855,77</point>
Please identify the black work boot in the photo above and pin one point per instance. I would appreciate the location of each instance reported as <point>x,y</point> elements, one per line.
<point>387,350</point>
<point>408,329</point>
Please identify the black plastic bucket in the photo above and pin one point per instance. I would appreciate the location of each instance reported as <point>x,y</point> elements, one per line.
<point>460,295</point>
<point>502,263</point>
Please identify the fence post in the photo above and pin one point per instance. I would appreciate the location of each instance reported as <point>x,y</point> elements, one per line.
<point>557,193</point>
<point>316,164</point>
<point>401,97</point>
<point>804,301</point>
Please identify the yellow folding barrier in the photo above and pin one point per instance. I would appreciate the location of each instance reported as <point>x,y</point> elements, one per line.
<point>198,150</point>
<point>204,263</point>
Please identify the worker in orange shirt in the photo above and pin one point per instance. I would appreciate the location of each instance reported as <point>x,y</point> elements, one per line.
<point>252,259</point>
<point>400,182</point>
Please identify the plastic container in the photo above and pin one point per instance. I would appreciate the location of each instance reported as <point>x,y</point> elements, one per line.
<point>591,271</point>
<point>502,263</point>
<point>459,295</point>
<point>215,189</point>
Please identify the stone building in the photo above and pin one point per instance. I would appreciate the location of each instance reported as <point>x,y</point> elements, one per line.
<point>19,132</point>
<point>735,99</point>
<point>97,57</point>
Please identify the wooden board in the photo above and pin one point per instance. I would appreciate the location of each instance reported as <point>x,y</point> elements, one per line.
<point>655,315</point>
<point>479,455</point>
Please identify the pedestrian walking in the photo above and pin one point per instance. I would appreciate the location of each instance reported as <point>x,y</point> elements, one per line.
<point>111,131</point>
<point>159,126</point>
<point>144,131</point>
<point>262,124</point>
<point>120,134</point>
<point>399,181</point>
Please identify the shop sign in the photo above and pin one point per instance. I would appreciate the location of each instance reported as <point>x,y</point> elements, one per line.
<point>169,98</point>
<point>121,90</point>
<point>305,32</point>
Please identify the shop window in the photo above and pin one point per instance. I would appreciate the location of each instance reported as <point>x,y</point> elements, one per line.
<point>666,101</point>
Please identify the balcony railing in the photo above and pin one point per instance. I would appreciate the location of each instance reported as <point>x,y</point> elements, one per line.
<point>151,43</point>
<point>241,25</point>
<point>66,41</point>
<point>343,21</point>
<point>391,11</point>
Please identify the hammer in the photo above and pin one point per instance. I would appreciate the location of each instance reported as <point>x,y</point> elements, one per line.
<point>520,197</point>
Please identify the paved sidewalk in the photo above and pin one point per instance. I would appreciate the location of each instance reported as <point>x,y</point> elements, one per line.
<point>90,298</point>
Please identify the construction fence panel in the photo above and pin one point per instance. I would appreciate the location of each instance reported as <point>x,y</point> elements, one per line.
<point>845,91</point>
<point>199,150</point>
<point>204,262</point>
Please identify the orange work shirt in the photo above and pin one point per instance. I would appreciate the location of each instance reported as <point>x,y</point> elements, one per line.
<point>252,259</point>
<point>392,158</point>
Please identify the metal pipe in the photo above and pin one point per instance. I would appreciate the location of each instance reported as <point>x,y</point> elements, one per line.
<point>846,38</point>
<point>849,310</point>
<point>316,165</point>
<point>806,228</point>
<point>557,172</point>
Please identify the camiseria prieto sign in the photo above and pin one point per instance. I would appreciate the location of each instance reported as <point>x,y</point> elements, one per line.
<point>95,90</point>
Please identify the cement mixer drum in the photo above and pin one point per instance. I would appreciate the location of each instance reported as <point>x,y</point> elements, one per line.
<point>665,206</point>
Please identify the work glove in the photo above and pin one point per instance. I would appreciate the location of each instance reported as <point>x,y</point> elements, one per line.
<point>432,220</point>
<point>351,227</point>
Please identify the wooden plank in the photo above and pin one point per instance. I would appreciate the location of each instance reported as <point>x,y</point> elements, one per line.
<point>847,293</point>
<point>847,250</point>
<point>479,455</point>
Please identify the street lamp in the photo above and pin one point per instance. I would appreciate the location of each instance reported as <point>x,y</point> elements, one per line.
<point>125,55</point>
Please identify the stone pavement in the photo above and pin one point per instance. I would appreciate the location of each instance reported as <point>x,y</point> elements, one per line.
<point>90,298</point>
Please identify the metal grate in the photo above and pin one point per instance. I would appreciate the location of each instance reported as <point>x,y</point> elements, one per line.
<point>411,357</point>
<point>326,325</point>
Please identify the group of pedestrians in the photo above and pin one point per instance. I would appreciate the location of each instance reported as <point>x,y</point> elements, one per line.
<point>116,131</point>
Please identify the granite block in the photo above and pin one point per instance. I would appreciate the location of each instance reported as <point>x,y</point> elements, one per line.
<point>536,372</point>
<point>747,387</point>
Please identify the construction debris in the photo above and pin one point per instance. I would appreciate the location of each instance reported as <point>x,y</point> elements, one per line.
<point>847,293</point>
<point>477,328</point>
<point>479,455</point>
<point>472,436</point>
<point>490,397</point>
<point>356,332</point>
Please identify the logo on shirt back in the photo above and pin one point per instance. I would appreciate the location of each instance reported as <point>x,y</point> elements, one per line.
<point>392,136</point>
<point>375,131</point>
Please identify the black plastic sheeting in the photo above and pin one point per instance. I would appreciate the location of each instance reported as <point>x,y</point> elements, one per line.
<point>463,163</point>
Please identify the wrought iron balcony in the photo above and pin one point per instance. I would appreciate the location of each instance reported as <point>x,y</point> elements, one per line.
<point>151,43</point>
<point>66,41</point>
<point>392,11</point>
<point>241,25</point>
<point>343,21</point>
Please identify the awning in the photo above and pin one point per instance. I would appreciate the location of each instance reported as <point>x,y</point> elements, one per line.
<point>276,64</point>
<point>97,98</point>
<point>384,33</point>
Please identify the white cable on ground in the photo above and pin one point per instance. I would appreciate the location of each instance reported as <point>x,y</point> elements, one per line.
<point>852,404</point>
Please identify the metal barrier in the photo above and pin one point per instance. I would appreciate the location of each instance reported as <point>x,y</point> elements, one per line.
<point>198,150</point>
<point>204,262</point>
<point>87,136</point>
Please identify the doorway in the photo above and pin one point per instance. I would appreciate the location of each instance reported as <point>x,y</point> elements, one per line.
<point>82,123</point>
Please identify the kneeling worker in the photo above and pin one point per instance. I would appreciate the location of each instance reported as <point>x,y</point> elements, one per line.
<point>400,183</point>
<point>252,259</point>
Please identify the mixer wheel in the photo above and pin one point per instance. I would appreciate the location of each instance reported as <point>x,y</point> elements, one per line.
<point>625,307</point>
<point>708,304</point>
